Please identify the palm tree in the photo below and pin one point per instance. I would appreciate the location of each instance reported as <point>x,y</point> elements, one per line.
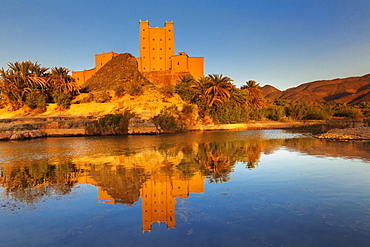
<point>21,79</point>
<point>250,84</point>
<point>183,88</point>
<point>218,90</point>
<point>27,74</point>
<point>199,88</point>
<point>255,97</point>
<point>61,82</point>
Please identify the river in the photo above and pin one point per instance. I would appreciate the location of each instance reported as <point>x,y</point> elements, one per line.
<point>232,188</point>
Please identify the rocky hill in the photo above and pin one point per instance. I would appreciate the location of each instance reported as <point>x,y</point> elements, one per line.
<point>119,71</point>
<point>352,90</point>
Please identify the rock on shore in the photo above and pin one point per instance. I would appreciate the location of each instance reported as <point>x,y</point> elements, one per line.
<point>21,134</point>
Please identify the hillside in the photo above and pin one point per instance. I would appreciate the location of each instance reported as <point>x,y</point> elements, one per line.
<point>119,71</point>
<point>351,90</point>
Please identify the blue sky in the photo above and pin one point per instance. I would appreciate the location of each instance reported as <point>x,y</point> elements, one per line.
<point>283,43</point>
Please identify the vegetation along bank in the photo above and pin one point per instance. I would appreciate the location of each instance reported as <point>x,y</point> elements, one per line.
<point>37,102</point>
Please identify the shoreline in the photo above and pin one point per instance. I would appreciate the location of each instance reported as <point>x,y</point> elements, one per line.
<point>39,127</point>
<point>359,133</point>
<point>42,127</point>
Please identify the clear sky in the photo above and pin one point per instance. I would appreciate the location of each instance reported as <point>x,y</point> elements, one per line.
<point>283,43</point>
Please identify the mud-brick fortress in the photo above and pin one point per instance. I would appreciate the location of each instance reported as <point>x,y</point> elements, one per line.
<point>157,61</point>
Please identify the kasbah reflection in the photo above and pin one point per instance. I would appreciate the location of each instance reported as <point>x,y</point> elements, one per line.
<point>158,185</point>
<point>158,175</point>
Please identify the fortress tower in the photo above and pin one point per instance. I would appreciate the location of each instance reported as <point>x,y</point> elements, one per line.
<point>157,53</point>
<point>157,60</point>
<point>157,46</point>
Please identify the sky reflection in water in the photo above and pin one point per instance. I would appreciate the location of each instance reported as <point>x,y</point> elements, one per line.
<point>244,188</point>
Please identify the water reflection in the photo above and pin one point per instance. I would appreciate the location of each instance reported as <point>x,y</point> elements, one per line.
<point>156,169</point>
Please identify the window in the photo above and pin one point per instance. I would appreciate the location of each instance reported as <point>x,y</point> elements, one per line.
<point>153,39</point>
<point>160,49</point>
<point>143,48</point>
<point>144,38</point>
<point>160,39</point>
<point>153,49</point>
<point>143,29</point>
<point>178,63</point>
<point>160,58</point>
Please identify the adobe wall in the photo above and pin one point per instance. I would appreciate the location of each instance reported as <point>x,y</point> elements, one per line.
<point>196,66</point>
<point>82,76</point>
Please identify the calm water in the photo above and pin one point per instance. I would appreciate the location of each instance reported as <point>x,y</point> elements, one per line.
<point>244,188</point>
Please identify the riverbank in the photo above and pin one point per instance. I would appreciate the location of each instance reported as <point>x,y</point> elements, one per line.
<point>30,127</point>
<point>38,127</point>
<point>354,133</point>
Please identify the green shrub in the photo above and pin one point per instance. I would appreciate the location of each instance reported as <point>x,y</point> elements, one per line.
<point>35,99</point>
<point>63,100</point>
<point>297,110</point>
<point>111,124</point>
<point>168,120</point>
<point>257,114</point>
<point>229,113</point>
<point>318,113</point>
<point>365,109</point>
<point>275,113</point>
<point>348,112</point>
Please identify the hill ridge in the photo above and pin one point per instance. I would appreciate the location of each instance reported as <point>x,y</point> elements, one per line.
<point>351,90</point>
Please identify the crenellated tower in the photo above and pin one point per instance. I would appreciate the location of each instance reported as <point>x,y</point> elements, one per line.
<point>157,46</point>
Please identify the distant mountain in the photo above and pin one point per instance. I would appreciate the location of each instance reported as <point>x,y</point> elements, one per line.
<point>351,90</point>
